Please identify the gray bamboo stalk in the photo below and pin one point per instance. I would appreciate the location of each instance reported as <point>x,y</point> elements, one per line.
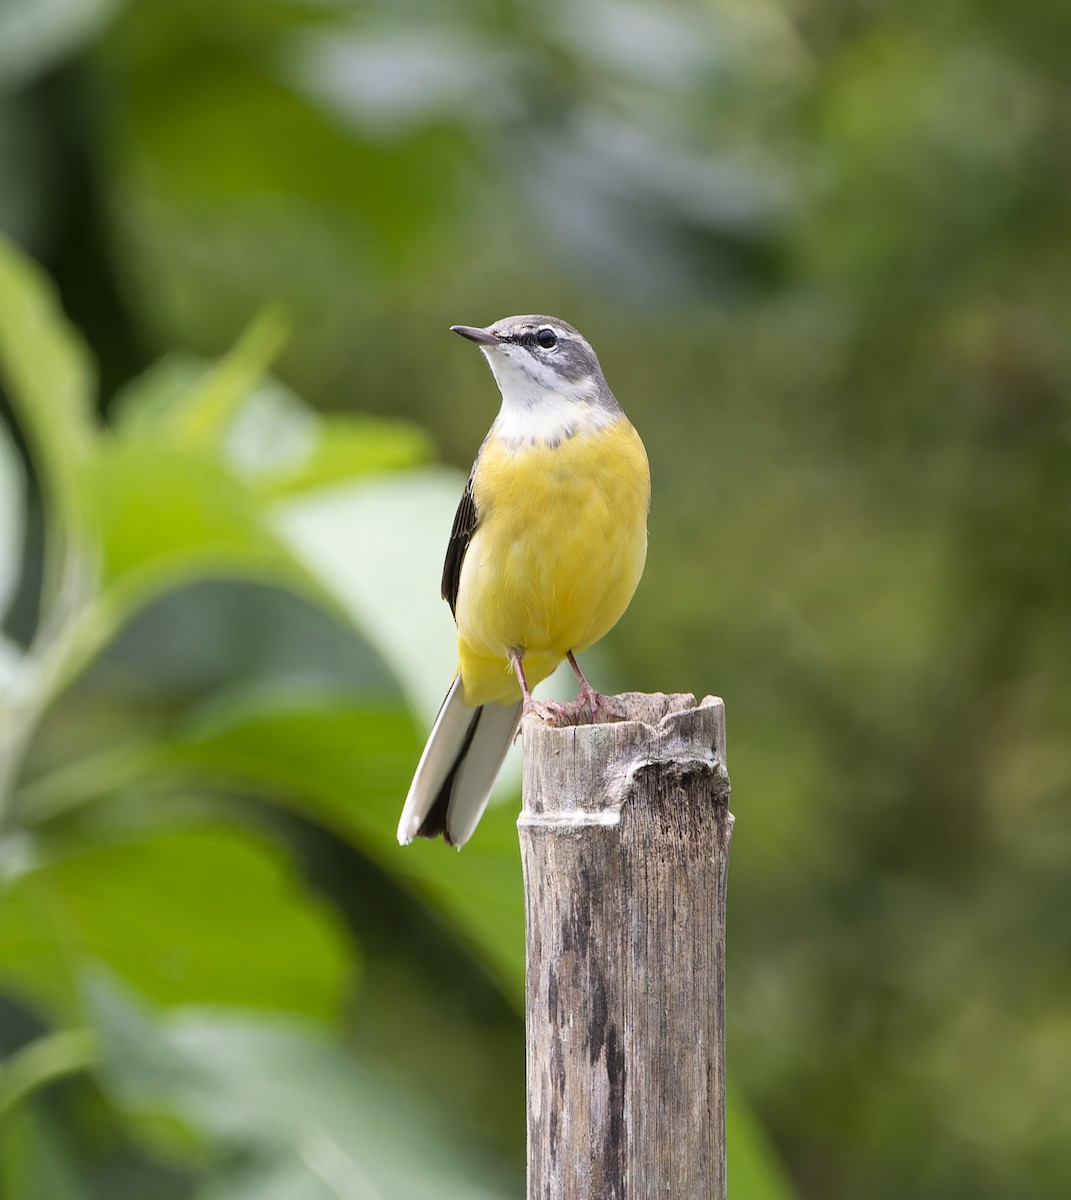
<point>625,834</point>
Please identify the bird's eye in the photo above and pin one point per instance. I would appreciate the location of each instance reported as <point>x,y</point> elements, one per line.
<point>547,338</point>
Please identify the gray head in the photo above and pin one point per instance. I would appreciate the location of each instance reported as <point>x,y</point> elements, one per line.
<point>539,361</point>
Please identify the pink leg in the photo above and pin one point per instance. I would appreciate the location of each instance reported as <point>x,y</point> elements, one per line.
<point>597,703</point>
<point>547,710</point>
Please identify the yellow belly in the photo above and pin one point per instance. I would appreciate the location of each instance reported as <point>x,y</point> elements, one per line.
<point>556,558</point>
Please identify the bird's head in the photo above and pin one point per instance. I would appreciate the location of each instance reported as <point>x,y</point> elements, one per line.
<point>536,360</point>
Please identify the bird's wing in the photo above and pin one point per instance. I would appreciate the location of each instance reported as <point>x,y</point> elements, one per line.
<point>465,521</point>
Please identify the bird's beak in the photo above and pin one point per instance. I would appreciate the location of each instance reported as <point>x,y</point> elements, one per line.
<point>482,337</point>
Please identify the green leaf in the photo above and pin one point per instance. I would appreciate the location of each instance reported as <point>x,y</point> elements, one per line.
<point>41,1062</point>
<point>190,402</point>
<point>347,447</point>
<point>184,917</point>
<point>165,515</point>
<point>285,1096</point>
<point>206,410</point>
<point>49,378</point>
<point>268,436</point>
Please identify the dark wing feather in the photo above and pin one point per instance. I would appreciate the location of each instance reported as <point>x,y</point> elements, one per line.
<point>465,521</point>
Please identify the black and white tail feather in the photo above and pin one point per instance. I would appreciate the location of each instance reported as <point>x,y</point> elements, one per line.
<point>457,770</point>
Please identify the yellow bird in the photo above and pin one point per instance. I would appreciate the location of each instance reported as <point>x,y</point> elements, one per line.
<point>547,548</point>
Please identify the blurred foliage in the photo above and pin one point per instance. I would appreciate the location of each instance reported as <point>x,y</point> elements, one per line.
<point>824,254</point>
<point>202,654</point>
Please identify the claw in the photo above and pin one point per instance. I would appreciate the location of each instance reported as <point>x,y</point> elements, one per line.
<point>550,712</point>
<point>601,707</point>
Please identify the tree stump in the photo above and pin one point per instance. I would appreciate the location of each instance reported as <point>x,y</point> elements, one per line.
<point>625,834</point>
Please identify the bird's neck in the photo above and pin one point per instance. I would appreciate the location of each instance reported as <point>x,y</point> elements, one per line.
<point>550,418</point>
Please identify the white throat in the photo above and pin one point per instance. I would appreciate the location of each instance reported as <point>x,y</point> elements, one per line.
<point>538,405</point>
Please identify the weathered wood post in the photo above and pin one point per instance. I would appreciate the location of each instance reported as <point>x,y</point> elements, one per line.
<point>625,836</point>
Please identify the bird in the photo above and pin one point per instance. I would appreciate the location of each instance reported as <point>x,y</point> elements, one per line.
<point>546,550</point>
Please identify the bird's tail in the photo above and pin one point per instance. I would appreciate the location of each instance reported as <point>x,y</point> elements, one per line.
<point>458,768</point>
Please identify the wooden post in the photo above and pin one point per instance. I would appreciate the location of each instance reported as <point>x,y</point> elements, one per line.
<point>625,836</point>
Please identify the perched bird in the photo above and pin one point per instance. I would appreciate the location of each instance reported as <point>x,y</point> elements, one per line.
<point>547,548</point>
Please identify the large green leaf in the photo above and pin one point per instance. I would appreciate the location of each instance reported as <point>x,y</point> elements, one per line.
<point>196,915</point>
<point>165,515</point>
<point>301,1112</point>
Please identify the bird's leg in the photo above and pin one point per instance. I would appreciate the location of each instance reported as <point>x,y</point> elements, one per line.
<point>547,710</point>
<point>598,704</point>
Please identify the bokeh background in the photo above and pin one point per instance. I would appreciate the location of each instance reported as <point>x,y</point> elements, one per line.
<point>824,252</point>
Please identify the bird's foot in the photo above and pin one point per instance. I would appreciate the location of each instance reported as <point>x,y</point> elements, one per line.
<point>550,712</point>
<point>602,708</point>
<point>589,708</point>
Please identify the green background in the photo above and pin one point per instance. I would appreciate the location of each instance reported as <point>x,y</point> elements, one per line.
<point>825,256</point>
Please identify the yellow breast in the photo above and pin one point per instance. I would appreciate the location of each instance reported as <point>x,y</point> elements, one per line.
<point>556,557</point>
